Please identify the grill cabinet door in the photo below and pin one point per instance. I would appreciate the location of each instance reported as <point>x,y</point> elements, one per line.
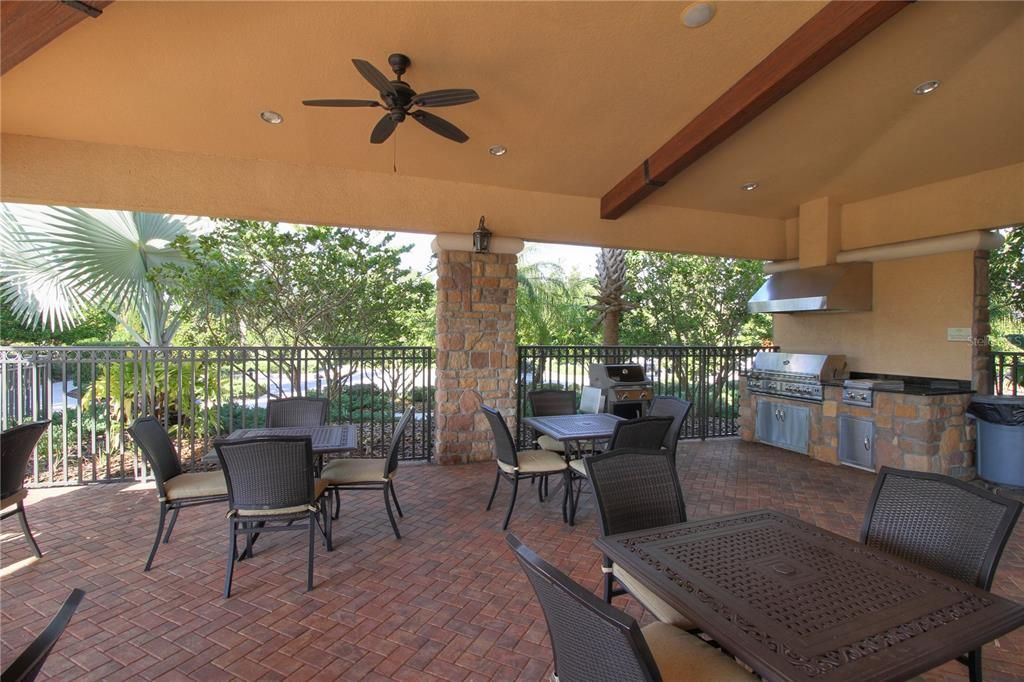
<point>796,428</point>
<point>766,422</point>
<point>857,442</point>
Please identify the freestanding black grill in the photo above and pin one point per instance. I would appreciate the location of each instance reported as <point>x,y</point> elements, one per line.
<point>627,392</point>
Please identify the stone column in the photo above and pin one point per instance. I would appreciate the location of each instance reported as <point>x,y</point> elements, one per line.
<point>476,344</point>
<point>981,358</point>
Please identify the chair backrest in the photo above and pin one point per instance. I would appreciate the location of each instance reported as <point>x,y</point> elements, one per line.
<point>643,433</point>
<point>16,448</point>
<point>940,523</point>
<point>267,473</point>
<point>635,489</point>
<point>668,406</point>
<point>297,412</point>
<point>504,446</point>
<point>591,400</point>
<point>157,448</point>
<point>549,403</point>
<point>28,664</point>
<point>591,640</point>
<point>396,442</point>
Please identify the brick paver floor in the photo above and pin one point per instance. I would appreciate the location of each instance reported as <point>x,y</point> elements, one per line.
<point>445,602</point>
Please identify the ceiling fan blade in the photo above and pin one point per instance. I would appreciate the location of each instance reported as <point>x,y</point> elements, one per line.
<point>440,126</point>
<point>376,78</point>
<point>445,98</point>
<point>382,131</point>
<point>340,103</point>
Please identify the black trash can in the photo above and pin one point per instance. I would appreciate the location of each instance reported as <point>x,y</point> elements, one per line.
<point>1000,438</point>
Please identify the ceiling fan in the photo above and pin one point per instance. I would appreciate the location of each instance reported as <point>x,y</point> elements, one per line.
<point>402,101</point>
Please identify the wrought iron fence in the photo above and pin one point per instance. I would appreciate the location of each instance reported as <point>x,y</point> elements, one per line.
<point>91,394</point>
<point>1008,373</point>
<point>705,375</point>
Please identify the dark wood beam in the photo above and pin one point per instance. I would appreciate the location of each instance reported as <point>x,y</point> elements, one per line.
<point>27,25</point>
<point>825,36</point>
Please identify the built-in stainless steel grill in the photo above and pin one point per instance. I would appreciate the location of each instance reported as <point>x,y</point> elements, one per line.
<point>627,391</point>
<point>795,375</point>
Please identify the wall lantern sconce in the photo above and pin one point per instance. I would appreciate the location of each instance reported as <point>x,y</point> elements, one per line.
<point>481,238</point>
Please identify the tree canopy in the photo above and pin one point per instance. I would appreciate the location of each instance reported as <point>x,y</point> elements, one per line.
<point>552,307</point>
<point>1006,275</point>
<point>250,282</point>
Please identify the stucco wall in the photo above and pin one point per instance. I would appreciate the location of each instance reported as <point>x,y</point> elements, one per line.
<point>915,301</point>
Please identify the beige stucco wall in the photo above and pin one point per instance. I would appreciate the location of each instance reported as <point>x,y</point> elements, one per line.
<point>915,301</point>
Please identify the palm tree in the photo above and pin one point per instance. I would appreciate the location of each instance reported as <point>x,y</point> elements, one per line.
<point>56,262</point>
<point>611,284</point>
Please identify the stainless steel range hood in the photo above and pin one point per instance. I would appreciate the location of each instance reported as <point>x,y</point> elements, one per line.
<point>844,287</point>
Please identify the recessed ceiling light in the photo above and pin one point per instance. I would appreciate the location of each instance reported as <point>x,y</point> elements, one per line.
<point>698,14</point>
<point>271,117</point>
<point>926,87</point>
<point>497,150</point>
<point>749,186</point>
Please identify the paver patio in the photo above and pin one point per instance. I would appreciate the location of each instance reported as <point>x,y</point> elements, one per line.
<point>445,602</point>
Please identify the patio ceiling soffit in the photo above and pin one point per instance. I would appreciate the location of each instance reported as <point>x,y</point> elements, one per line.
<point>829,33</point>
<point>28,25</point>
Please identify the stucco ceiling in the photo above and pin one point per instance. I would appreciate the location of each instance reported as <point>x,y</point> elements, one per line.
<point>578,92</point>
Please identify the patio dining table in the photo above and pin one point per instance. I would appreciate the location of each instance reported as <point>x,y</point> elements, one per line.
<point>796,602</point>
<point>326,439</point>
<point>573,429</point>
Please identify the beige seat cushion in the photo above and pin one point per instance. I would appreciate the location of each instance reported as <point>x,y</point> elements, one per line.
<point>355,471</point>
<point>682,656</point>
<point>550,444</point>
<point>658,607</point>
<point>13,499</point>
<point>319,487</point>
<point>536,462</point>
<point>578,467</point>
<point>202,484</point>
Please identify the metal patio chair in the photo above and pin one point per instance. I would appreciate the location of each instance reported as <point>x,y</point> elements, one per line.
<point>668,406</point>
<point>376,473</point>
<point>549,403</point>
<point>642,433</point>
<point>938,522</point>
<point>594,642</point>
<point>17,446</point>
<point>271,486</point>
<point>175,489</point>
<point>515,465</point>
<point>297,412</point>
<point>29,662</point>
<point>636,490</point>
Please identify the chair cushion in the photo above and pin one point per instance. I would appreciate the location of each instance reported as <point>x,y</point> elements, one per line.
<point>578,467</point>
<point>355,471</point>
<point>13,498</point>
<point>202,484</point>
<point>319,488</point>
<point>536,462</point>
<point>658,607</point>
<point>682,656</point>
<point>550,444</point>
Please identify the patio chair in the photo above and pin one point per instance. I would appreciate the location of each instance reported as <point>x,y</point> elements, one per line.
<point>17,445</point>
<point>175,489</point>
<point>594,642</point>
<point>549,403</point>
<point>377,473</point>
<point>591,400</point>
<point>297,412</point>
<point>636,490</point>
<point>270,487</point>
<point>668,406</point>
<point>515,465</point>
<point>938,522</point>
<point>29,662</point>
<point>642,433</point>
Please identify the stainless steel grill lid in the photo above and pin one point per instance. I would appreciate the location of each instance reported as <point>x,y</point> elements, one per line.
<point>805,366</point>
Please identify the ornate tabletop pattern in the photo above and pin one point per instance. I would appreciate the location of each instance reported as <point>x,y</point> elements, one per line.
<point>575,426</point>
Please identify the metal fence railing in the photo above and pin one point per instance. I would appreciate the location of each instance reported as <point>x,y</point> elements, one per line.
<point>91,394</point>
<point>705,375</point>
<point>1008,373</point>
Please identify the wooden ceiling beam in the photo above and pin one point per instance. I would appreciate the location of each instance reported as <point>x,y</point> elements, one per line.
<point>28,25</point>
<point>825,36</point>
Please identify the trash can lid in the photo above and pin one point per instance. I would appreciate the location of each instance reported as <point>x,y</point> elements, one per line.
<point>998,409</point>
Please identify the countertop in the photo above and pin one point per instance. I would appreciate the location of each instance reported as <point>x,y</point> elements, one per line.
<point>912,385</point>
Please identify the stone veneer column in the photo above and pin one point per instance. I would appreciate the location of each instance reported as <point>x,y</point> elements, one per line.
<point>981,358</point>
<point>476,349</point>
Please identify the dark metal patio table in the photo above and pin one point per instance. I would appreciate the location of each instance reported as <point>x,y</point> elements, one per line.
<point>796,602</point>
<point>574,428</point>
<point>326,439</point>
